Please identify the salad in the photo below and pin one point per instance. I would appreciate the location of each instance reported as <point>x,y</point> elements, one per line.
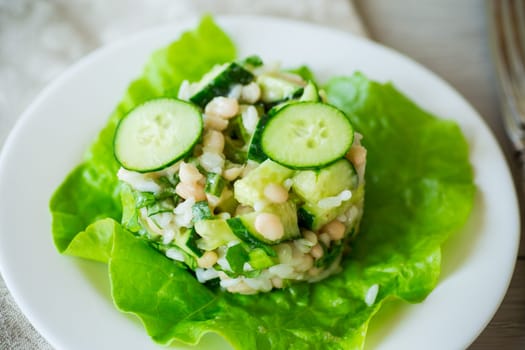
<point>247,225</point>
<point>247,177</point>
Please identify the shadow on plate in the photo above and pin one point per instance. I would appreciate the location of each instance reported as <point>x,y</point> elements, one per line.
<point>97,275</point>
<point>455,251</point>
<point>384,322</point>
<point>459,247</point>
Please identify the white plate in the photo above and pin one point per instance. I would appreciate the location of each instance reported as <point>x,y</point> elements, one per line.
<point>67,299</point>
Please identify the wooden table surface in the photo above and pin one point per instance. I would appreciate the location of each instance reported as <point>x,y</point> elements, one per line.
<point>450,38</point>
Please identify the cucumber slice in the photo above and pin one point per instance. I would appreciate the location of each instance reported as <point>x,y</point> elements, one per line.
<point>156,134</point>
<point>307,135</point>
<point>255,151</point>
<point>219,82</point>
<point>310,93</point>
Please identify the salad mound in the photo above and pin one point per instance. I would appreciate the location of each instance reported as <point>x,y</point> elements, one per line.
<point>419,191</point>
<point>248,177</point>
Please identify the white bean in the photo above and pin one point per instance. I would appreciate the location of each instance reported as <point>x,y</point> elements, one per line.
<point>269,225</point>
<point>213,141</point>
<point>213,201</point>
<point>325,238</point>
<point>251,93</point>
<point>276,193</point>
<point>314,271</point>
<point>242,288</point>
<point>317,251</point>
<point>357,155</point>
<point>215,122</point>
<point>335,229</point>
<point>310,236</point>
<point>191,190</point>
<point>250,118</point>
<point>307,262</point>
<point>189,174</point>
<point>232,173</point>
<point>212,162</point>
<point>223,107</point>
<point>277,282</point>
<point>207,260</point>
<point>235,92</point>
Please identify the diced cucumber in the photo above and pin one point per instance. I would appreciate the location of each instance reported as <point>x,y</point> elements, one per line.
<point>240,254</point>
<point>168,186</point>
<point>227,202</point>
<point>236,139</point>
<point>237,256</point>
<point>260,260</point>
<point>156,134</point>
<point>307,135</point>
<point>186,239</point>
<point>236,130</point>
<point>255,151</point>
<point>331,254</point>
<point>285,211</point>
<point>313,217</point>
<point>276,88</point>
<point>250,189</point>
<point>254,61</point>
<point>304,72</point>
<point>187,257</point>
<point>313,185</point>
<point>161,206</point>
<point>310,93</point>
<point>219,82</point>
<point>201,211</point>
<point>143,199</point>
<point>240,230</point>
<point>214,233</point>
<point>214,184</point>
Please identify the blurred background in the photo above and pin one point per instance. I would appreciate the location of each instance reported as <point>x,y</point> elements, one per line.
<point>41,38</point>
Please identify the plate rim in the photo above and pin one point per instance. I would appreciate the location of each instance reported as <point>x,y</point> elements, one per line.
<point>190,23</point>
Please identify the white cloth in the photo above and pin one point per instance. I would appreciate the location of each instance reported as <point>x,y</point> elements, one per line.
<point>39,39</point>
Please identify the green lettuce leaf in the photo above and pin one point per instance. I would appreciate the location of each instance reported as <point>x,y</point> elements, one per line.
<point>96,242</point>
<point>91,191</point>
<point>419,181</point>
<point>419,191</point>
